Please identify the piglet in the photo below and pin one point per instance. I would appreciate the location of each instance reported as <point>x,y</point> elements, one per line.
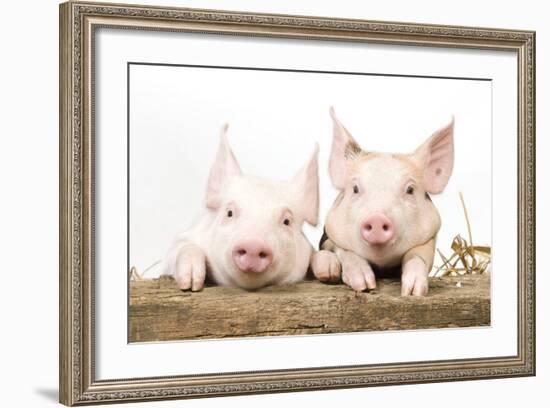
<point>383,217</point>
<point>250,234</point>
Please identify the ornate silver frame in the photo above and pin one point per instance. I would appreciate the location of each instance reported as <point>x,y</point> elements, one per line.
<point>78,384</point>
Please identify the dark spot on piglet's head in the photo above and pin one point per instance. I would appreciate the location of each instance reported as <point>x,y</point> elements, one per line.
<point>352,150</point>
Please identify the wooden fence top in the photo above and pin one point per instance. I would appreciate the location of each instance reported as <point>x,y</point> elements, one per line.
<point>159,311</point>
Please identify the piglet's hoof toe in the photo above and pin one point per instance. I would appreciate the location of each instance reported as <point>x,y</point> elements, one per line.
<point>414,280</point>
<point>191,270</point>
<point>326,267</point>
<point>357,273</point>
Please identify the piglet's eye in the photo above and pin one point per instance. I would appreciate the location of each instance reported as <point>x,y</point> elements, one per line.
<point>410,190</point>
<point>230,213</point>
<point>355,189</point>
<point>286,221</point>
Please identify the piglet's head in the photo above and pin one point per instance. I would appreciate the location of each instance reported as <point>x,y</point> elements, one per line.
<point>384,206</point>
<point>257,234</point>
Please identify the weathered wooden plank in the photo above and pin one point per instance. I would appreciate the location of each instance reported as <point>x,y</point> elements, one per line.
<point>160,311</point>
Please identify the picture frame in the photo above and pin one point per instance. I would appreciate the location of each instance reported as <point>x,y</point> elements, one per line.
<point>78,352</point>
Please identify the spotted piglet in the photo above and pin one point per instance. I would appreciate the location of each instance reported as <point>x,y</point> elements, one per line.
<point>383,217</point>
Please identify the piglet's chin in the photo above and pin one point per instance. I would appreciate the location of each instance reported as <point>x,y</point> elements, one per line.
<point>251,280</point>
<point>382,255</point>
<point>380,248</point>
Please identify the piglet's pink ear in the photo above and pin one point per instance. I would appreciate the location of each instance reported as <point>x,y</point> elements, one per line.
<point>436,156</point>
<point>307,184</point>
<point>225,166</point>
<point>343,148</point>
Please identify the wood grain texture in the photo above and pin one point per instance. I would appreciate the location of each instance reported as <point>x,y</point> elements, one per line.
<point>159,311</point>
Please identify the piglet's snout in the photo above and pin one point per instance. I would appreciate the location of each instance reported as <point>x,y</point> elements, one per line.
<point>377,229</point>
<point>252,255</point>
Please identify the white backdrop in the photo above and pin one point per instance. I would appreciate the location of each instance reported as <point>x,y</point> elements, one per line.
<point>275,120</point>
<point>28,177</point>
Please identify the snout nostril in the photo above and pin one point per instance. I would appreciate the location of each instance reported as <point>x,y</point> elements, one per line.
<point>252,256</point>
<point>378,230</point>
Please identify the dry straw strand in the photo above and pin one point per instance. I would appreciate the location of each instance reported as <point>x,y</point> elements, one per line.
<point>135,275</point>
<point>472,258</point>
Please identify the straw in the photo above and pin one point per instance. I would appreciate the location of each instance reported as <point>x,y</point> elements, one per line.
<point>466,258</point>
<point>135,275</point>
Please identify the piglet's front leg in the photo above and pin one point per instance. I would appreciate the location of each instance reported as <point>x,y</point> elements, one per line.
<point>356,271</point>
<point>333,262</point>
<point>190,272</point>
<point>326,266</point>
<point>416,265</point>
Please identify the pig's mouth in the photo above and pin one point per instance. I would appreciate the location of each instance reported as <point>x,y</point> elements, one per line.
<point>251,279</point>
<point>382,254</point>
<point>380,249</point>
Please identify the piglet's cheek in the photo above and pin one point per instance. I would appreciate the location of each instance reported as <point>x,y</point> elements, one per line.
<point>284,254</point>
